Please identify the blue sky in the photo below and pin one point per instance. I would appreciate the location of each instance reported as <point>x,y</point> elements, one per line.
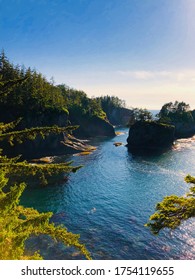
<point>139,50</point>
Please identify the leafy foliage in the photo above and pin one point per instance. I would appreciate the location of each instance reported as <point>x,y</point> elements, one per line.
<point>173,210</point>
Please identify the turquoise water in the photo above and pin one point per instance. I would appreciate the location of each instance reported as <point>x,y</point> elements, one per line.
<point>110,199</point>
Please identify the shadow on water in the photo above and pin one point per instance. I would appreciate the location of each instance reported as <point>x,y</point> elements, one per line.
<point>149,153</point>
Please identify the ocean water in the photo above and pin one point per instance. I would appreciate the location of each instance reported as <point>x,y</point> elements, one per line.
<point>109,200</point>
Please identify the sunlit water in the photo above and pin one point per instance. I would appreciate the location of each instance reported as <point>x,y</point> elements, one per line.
<point>109,200</point>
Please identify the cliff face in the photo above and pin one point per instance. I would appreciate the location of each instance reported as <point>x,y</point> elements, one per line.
<point>91,127</point>
<point>184,129</point>
<point>184,122</point>
<point>186,126</point>
<point>52,145</point>
<point>119,116</point>
<point>148,136</point>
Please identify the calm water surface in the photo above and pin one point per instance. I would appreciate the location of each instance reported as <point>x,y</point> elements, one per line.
<point>110,199</point>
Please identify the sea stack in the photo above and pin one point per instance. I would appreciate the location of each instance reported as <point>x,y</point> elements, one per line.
<point>147,136</point>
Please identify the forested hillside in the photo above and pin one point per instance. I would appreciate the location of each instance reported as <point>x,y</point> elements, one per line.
<point>37,96</point>
<point>38,103</point>
<point>116,110</point>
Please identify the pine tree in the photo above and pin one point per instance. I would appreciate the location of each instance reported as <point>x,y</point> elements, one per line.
<point>173,210</point>
<point>18,223</point>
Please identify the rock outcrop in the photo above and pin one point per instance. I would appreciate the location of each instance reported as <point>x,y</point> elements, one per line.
<point>150,136</point>
<point>184,124</point>
<point>91,127</point>
<point>53,144</point>
<point>49,146</point>
<point>184,129</point>
<point>119,116</point>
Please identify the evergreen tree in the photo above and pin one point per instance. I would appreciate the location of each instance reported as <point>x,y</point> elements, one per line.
<point>18,223</point>
<point>139,114</point>
<point>35,94</point>
<point>175,112</point>
<point>109,103</point>
<point>173,210</point>
<point>78,104</point>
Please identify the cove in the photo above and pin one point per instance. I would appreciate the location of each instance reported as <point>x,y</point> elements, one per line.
<point>109,200</point>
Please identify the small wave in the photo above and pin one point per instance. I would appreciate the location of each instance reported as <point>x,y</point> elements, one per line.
<point>183,143</point>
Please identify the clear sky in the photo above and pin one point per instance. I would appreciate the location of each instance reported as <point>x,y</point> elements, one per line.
<point>140,50</point>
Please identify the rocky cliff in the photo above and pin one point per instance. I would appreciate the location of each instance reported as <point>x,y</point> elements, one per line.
<point>184,124</point>
<point>49,146</point>
<point>91,127</point>
<point>53,144</point>
<point>184,129</point>
<point>150,136</point>
<point>119,116</point>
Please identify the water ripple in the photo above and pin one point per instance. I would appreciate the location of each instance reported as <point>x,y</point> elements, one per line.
<point>109,200</point>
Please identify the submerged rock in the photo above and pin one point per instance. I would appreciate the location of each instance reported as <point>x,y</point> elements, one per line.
<point>118,133</point>
<point>77,144</point>
<point>43,160</point>
<point>84,153</point>
<point>117,144</point>
<point>150,136</point>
